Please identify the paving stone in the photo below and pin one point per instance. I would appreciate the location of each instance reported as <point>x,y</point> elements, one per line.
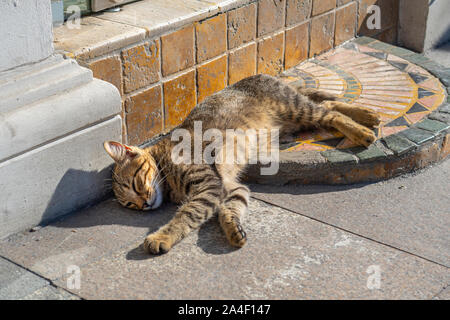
<point>350,46</point>
<point>50,293</point>
<point>337,156</point>
<point>419,60</point>
<point>363,40</point>
<point>398,144</point>
<point>370,154</point>
<point>16,282</point>
<point>161,17</point>
<point>88,41</point>
<point>380,145</point>
<point>401,52</point>
<point>417,135</point>
<point>380,46</point>
<point>315,261</point>
<point>80,238</point>
<point>443,295</point>
<point>409,213</point>
<point>445,80</point>
<point>429,65</point>
<point>432,126</point>
<point>445,108</point>
<point>301,157</point>
<point>434,68</point>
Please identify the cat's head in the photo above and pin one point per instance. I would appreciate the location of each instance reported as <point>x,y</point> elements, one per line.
<point>135,178</point>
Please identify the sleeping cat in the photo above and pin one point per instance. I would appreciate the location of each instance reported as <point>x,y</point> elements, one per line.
<point>143,178</point>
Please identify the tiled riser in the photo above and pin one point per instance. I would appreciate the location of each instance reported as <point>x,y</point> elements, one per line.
<point>161,79</point>
<point>315,169</point>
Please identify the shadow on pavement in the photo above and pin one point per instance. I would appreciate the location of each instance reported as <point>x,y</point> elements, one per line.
<point>109,213</point>
<point>297,189</point>
<point>77,189</point>
<point>211,238</point>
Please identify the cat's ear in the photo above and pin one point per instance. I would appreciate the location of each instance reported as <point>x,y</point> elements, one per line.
<point>118,151</point>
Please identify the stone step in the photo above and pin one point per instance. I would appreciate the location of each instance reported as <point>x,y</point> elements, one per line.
<point>55,74</point>
<point>415,121</point>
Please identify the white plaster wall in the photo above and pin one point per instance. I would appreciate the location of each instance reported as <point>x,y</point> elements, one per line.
<point>413,17</point>
<point>25,32</point>
<point>438,25</point>
<point>424,24</point>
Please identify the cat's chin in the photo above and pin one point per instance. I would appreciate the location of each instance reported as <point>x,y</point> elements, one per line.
<point>156,201</point>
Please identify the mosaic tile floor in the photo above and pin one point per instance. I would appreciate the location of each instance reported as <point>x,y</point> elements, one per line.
<point>401,92</point>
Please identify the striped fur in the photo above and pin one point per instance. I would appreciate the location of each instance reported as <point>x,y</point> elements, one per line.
<point>203,190</point>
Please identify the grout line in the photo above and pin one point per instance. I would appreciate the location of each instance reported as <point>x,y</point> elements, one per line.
<point>283,51</point>
<point>227,49</point>
<point>440,291</point>
<point>163,111</point>
<point>124,97</point>
<point>352,232</point>
<point>42,277</point>
<point>195,48</point>
<point>256,36</point>
<point>333,39</point>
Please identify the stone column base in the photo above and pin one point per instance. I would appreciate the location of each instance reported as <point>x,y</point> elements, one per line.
<point>54,117</point>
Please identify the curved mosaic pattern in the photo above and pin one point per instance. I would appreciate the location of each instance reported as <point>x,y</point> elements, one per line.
<point>401,92</point>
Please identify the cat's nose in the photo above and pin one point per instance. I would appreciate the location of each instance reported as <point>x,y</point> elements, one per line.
<point>146,205</point>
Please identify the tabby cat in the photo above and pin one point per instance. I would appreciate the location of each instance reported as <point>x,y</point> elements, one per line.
<point>142,178</point>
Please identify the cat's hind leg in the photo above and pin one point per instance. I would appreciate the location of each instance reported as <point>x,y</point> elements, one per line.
<point>233,207</point>
<point>363,116</point>
<point>350,128</point>
<point>302,113</point>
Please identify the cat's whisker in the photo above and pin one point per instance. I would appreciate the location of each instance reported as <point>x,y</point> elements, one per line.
<point>161,180</point>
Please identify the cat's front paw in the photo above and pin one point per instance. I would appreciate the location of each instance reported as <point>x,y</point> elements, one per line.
<point>156,243</point>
